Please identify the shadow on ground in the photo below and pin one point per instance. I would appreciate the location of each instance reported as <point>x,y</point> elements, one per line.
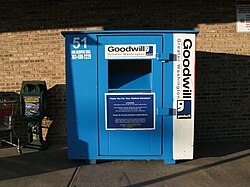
<point>13,165</point>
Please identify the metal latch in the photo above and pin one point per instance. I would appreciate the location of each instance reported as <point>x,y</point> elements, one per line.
<point>166,57</point>
<point>166,111</point>
<point>162,57</point>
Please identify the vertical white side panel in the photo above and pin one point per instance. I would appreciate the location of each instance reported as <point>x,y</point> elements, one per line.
<point>184,98</point>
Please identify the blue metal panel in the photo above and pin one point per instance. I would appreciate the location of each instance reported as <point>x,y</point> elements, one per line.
<point>81,101</point>
<point>168,101</point>
<point>145,142</point>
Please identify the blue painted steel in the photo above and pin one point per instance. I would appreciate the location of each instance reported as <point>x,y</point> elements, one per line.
<point>163,56</point>
<point>148,142</point>
<point>168,101</point>
<point>81,101</point>
<point>88,79</point>
<point>163,111</point>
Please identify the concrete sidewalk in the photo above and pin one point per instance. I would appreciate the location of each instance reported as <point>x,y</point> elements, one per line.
<point>215,164</point>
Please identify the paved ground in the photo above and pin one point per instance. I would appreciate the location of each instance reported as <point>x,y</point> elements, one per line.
<point>215,164</point>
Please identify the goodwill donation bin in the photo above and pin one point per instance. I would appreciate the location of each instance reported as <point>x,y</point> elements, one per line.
<point>33,107</point>
<point>130,94</point>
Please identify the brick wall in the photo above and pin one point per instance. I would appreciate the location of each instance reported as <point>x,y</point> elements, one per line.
<point>32,48</point>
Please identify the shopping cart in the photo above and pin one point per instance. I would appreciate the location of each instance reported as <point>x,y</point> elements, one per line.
<point>7,110</point>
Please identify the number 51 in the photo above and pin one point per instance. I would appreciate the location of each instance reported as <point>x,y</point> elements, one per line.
<point>77,41</point>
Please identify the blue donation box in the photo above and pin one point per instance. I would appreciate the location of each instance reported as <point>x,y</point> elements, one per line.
<point>130,94</point>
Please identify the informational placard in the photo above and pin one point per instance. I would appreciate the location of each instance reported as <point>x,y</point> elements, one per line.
<point>133,51</point>
<point>243,15</point>
<point>130,111</point>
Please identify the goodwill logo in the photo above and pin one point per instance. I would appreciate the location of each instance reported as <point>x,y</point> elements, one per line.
<point>133,51</point>
<point>183,109</point>
<point>184,77</point>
